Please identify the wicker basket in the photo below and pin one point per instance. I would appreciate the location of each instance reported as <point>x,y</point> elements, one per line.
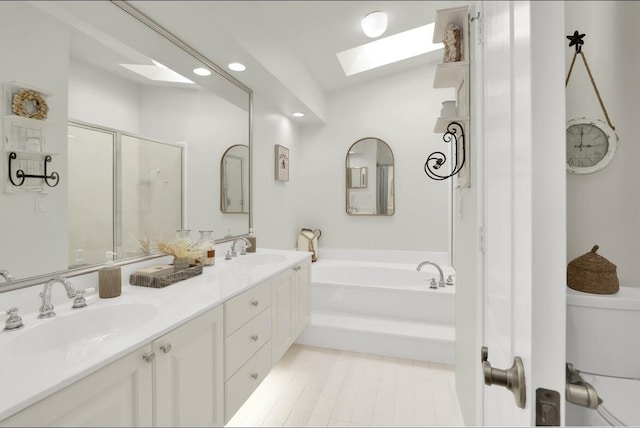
<point>592,273</point>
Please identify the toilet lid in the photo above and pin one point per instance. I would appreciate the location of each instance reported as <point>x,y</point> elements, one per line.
<point>619,396</point>
<point>627,298</point>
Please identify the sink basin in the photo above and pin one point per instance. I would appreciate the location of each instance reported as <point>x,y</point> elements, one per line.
<point>260,259</point>
<point>72,335</point>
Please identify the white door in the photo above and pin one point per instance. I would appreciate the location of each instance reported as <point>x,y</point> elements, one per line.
<point>522,63</point>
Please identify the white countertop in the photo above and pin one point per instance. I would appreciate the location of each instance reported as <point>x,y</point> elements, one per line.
<point>28,379</point>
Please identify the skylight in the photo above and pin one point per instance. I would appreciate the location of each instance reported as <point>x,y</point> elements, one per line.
<point>157,72</point>
<point>397,47</point>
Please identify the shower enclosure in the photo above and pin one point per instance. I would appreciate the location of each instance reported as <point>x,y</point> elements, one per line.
<point>131,197</point>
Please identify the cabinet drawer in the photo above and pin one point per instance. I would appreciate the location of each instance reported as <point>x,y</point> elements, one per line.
<point>243,307</point>
<point>245,341</point>
<point>240,386</point>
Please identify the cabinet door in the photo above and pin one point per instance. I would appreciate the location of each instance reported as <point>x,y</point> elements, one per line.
<point>303,297</point>
<point>119,394</point>
<point>189,384</point>
<point>282,322</point>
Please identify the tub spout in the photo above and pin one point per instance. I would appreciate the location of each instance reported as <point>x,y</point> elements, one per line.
<point>441,283</point>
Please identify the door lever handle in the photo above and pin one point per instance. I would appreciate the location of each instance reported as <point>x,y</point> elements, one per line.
<point>511,378</point>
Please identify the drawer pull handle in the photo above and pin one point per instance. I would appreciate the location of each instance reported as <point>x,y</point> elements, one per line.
<point>254,337</point>
<point>255,303</point>
<point>166,348</point>
<point>149,356</point>
<point>254,375</point>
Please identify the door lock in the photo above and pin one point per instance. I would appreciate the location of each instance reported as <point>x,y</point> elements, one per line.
<point>511,378</point>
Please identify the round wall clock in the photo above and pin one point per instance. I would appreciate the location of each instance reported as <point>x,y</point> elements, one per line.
<point>591,145</point>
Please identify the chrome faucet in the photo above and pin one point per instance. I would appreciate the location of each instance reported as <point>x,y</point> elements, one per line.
<point>46,310</point>
<point>243,251</point>
<point>6,275</point>
<point>441,282</point>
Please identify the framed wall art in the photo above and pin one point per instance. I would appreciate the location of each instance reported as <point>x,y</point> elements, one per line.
<point>281,163</point>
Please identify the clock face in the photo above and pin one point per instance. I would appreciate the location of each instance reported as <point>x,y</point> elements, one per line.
<point>590,145</point>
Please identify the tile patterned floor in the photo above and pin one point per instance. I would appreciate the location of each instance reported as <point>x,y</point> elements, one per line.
<point>325,387</point>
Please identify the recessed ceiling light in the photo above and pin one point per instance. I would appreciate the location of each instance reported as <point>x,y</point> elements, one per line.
<point>236,66</point>
<point>298,114</point>
<point>374,24</point>
<point>201,71</point>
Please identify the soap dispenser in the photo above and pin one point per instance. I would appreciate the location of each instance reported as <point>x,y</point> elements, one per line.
<point>109,278</point>
<point>252,240</point>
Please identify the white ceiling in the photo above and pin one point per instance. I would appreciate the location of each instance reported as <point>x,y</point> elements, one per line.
<point>290,47</point>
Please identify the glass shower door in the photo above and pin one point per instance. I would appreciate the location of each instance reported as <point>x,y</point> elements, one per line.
<point>90,195</point>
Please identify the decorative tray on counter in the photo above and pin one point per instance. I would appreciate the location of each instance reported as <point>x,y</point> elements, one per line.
<point>163,275</point>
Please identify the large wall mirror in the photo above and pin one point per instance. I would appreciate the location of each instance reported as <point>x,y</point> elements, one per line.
<point>370,178</point>
<point>134,133</point>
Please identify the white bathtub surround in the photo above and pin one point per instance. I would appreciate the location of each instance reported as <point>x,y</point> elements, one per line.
<point>376,302</point>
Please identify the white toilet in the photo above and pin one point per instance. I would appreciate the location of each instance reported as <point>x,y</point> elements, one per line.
<point>603,343</point>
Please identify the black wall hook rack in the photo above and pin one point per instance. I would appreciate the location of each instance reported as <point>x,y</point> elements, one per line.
<point>21,176</point>
<point>455,135</point>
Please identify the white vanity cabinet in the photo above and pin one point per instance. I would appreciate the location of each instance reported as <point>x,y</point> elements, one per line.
<point>196,374</point>
<point>182,371</point>
<point>291,307</point>
<point>302,298</point>
<point>119,394</point>
<point>188,373</point>
<point>247,344</point>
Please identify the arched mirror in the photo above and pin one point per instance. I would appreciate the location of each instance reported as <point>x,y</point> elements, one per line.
<point>234,180</point>
<point>370,178</point>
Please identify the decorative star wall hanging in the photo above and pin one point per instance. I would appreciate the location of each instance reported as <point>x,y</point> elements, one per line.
<point>576,40</point>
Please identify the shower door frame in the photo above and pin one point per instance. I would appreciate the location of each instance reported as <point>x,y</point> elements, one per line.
<point>117,175</point>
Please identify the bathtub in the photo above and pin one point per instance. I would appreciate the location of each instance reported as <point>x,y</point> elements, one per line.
<point>374,274</point>
<point>384,308</point>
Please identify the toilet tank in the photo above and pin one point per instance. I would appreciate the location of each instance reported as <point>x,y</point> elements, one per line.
<point>603,332</point>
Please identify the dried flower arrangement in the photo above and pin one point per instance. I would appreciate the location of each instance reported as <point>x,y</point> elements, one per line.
<point>145,245</point>
<point>179,248</point>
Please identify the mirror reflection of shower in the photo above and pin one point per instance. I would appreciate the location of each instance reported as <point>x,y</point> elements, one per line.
<point>370,178</point>
<point>234,180</point>
<point>112,211</point>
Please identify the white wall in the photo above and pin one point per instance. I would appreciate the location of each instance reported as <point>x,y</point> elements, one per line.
<point>34,51</point>
<point>400,110</point>
<point>208,125</point>
<point>604,207</point>
<point>276,204</point>
<point>101,98</point>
